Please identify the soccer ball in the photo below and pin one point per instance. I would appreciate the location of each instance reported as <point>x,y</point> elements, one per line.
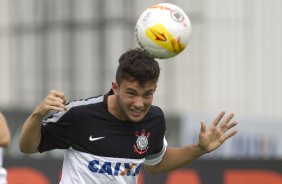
<point>163,30</point>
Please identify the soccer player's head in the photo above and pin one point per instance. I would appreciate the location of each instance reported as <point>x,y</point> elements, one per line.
<point>136,81</point>
<point>137,65</point>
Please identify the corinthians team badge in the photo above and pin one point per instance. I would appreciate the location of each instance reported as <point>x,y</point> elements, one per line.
<point>141,145</point>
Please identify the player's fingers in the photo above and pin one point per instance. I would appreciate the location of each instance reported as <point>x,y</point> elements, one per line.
<point>57,94</point>
<point>219,117</point>
<point>56,102</point>
<point>62,96</point>
<point>64,99</point>
<point>53,94</point>
<point>203,126</point>
<point>231,134</point>
<point>227,120</point>
<point>55,108</point>
<point>56,99</point>
<point>231,125</point>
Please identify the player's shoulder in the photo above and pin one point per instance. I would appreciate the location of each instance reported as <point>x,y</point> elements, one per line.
<point>85,102</point>
<point>80,105</point>
<point>156,109</point>
<point>157,116</point>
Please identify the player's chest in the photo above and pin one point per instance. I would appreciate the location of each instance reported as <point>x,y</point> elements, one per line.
<point>113,139</point>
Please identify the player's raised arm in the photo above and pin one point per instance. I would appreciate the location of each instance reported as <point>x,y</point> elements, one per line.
<point>209,139</point>
<point>31,131</point>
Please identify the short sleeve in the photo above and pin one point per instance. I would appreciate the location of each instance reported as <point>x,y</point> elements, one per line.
<point>56,132</point>
<point>157,157</point>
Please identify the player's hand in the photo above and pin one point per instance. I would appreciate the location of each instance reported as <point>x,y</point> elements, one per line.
<point>211,138</point>
<point>55,100</point>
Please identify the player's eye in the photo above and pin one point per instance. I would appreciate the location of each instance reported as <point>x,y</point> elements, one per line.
<point>130,93</point>
<point>148,95</point>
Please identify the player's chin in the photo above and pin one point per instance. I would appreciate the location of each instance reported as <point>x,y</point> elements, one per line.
<point>136,117</point>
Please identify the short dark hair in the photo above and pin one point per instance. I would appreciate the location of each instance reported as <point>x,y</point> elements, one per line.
<point>137,65</point>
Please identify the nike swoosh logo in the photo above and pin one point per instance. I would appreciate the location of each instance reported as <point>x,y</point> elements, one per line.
<point>95,138</point>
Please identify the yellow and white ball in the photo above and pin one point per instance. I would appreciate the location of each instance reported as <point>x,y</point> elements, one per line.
<point>164,30</point>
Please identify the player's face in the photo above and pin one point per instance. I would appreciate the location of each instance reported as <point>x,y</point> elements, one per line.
<point>133,100</point>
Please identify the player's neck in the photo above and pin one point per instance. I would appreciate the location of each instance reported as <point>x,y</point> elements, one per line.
<point>114,108</point>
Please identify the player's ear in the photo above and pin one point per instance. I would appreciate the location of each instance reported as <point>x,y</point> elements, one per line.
<point>115,87</point>
<point>155,87</point>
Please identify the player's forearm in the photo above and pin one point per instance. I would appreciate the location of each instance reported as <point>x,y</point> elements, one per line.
<point>31,134</point>
<point>175,158</point>
<point>4,137</point>
<point>4,132</point>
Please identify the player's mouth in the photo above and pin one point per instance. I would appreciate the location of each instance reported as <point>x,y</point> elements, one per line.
<point>136,112</point>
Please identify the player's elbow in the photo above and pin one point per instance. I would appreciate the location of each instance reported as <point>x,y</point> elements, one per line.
<point>152,169</point>
<point>153,172</point>
<point>27,151</point>
<point>27,148</point>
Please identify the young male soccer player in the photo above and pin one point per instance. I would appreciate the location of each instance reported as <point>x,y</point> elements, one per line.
<point>108,138</point>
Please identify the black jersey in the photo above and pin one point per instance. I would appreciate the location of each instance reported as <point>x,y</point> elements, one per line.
<point>100,147</point>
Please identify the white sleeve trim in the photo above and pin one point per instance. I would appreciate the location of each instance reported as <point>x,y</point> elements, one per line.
<point>156,158</point>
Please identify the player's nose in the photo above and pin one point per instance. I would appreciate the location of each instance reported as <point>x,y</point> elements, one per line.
<point>138,102</point>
